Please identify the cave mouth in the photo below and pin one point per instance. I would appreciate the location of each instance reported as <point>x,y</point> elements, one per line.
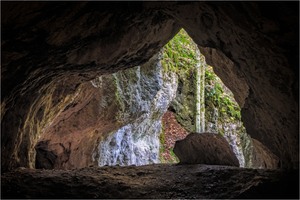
<point>202,103</point>
<point>49,49</point>
<point>117,119</point>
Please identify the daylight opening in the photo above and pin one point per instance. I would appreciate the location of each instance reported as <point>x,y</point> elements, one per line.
<point>135,116</point>
<point>202,103</point>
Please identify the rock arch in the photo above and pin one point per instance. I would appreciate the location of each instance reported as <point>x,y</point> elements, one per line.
<point>49,48</point>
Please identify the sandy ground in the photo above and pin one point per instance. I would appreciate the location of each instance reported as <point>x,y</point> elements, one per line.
<point>163,181</point>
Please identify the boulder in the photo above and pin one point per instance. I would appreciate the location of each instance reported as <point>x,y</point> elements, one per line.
<point>205,148</point>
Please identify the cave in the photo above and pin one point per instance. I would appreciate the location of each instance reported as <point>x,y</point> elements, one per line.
<point>52,52</point>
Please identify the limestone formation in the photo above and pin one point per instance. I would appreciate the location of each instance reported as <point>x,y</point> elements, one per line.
<point>143,94</point>
<point>205,148</point>
<point>113,120</point>
<point>49,49</point>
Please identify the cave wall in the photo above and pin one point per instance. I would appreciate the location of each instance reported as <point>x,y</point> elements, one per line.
<point>60,45</point>
<point>50,47</point>
<point>68,140</point>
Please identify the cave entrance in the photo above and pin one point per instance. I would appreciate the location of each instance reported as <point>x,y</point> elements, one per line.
<point>202,104</point>
<point>134,116</point>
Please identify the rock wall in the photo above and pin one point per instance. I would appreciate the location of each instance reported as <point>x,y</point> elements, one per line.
<point>119,125</point>
<point>74,131</point>
<point>49,49</point>
<point>181,56</point>
<point>143,94</point>
<point>184,105</point>
<point>259,156</point>
<point>202,100</point>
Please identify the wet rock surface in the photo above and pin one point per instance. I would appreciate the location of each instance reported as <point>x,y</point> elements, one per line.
<point>152,181</point>
<point>205,148</point>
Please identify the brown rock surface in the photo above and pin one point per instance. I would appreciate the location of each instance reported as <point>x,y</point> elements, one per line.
<point>74,132</point>
<point>49,48</point>
<point>205,148</point>
<point>162,181</point>
<point>263,157</point>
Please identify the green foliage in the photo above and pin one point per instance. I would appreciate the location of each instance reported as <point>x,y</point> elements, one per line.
<point>216,97</point>
<point>162,137</point>
<point>162,148</point>
<point>175,159</point>
<point>180,56</point>
<point>180,53</point>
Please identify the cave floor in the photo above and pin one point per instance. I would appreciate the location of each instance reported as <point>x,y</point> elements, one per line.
<point>162,181</point>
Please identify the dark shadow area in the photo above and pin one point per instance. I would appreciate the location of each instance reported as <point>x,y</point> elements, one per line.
<point>160,181</point>
<point>287,187</point>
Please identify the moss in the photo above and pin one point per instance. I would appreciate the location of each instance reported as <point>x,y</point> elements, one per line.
<point>179,56</point>
<point>119,100</point>
<point>180,53</point>
<point>174,158</point>
<point>216,97</point>
<point>162,148</point>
